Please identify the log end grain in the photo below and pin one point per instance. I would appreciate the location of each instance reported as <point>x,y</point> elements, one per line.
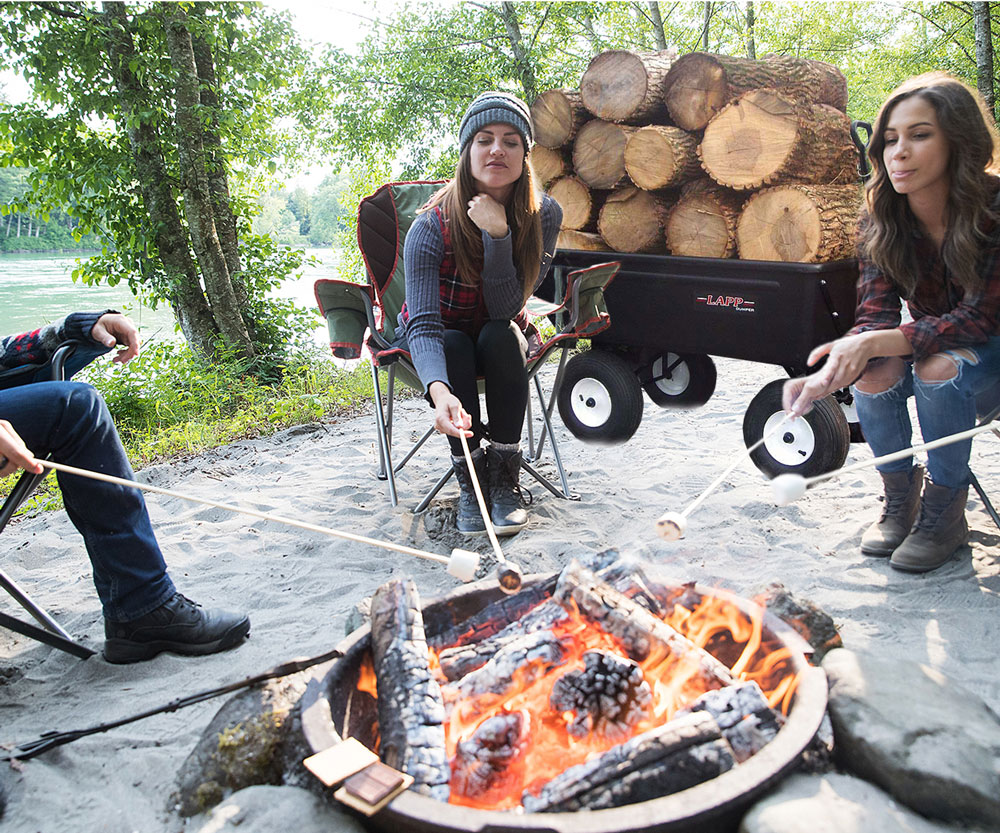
<point>556,115</point>
<point>599,153</point>
<point>698,227</point>
<point>695,89</point>
<point>548,164</point>
<point>657,156</point>
<point>576,201</point>
<point>614,85</point>
<point>582,240</point>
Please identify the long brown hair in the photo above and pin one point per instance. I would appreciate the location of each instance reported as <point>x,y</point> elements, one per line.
<point>523,216</point>
<point>972,153</point>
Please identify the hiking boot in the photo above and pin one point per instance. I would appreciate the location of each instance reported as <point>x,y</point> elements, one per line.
<point>506,501</point>
<point>179,625</point>
<point>470,519</point>
<point>939,531</point>
<point>902,500</point>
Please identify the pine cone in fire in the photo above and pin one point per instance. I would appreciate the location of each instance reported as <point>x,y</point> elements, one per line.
<point>609,696</point>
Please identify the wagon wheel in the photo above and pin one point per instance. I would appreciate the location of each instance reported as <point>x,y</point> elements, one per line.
<point>599,398</point>
<point>813,444</point>
<point>845,399</point>
<point>680,380</point>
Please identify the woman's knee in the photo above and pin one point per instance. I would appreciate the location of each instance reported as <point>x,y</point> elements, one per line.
<point>881,376</point>
<point>943,367</point>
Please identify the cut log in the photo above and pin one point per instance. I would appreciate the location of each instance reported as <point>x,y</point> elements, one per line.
<point>703,221</point>
<point>657,156</point>
<point>765,138</point>
<point>679,754</point>
<point>580,205</point>
<point>556,116</point>
<point>631,220</point>
<point>799,223</point>
<point>599,153</point>
<point>700,84</point>
<point>622,85</point>
<point>584,241</point>
<point>410,707</point>
<point>549,164</point>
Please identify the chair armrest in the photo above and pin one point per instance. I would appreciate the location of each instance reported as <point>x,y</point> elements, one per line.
<point>584,301</point>
<point>349,311</point>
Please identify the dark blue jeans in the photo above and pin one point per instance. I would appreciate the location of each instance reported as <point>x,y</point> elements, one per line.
<point>71,421</point>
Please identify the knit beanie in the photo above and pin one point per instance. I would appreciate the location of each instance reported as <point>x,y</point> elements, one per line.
<point>495,108</point>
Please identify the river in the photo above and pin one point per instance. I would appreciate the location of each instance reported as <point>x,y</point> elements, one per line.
<point>38,287</point>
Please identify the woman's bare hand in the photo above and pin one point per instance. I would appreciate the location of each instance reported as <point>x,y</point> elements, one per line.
<point>449,416</point>
<point>488,215</point>
<point>114,328</point>
<point>14,455</point>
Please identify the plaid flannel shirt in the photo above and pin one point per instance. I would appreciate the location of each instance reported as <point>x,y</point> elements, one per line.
<point>945,316</point>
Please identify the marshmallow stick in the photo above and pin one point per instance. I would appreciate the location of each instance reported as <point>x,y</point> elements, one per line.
<point>673,525</point>
<point>481,500</point>
<point>264,516</point>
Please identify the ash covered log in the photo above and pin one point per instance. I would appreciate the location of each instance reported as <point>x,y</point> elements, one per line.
<point>586,241</point>
<point>549,164</point>
<point>743,715</point>
<point>622,85</point>
<point>556,116</point>
<point>579,203</point>
<point>631,220</point>
<point>607,697</point>
<point>658,156</point>
<point>641,634</point>
<point>410,707</point>
<point>679,754</point>
<point>811,622</point>
<point>490,760</point>
<point>599,153</point>
<point>703,221</point>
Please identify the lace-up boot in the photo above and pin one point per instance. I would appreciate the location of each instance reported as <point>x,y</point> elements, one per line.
<point>939,531</point>
<point>469,519</point>
<point>902,500</point>
<point>506,499</point>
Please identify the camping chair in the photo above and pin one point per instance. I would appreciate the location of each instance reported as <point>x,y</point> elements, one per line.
<point>350,309</point>
<point>50,632</point>
<point>988,408</point>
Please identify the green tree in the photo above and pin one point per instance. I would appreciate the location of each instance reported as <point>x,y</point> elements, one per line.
<point>154,124</point>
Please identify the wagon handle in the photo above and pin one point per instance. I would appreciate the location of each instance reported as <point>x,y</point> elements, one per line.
<point>864,168</point>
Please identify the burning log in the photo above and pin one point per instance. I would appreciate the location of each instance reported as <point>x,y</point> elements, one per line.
<point>641,634</point>
<point>743,715</point>
<point>410,708</point>
<point>608,696</point>
<point>488,761</point>
<point>679,754</point>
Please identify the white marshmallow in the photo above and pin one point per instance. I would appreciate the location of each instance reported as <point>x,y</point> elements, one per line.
<point>672,525</point>
<point>788,488</point>
<point>463,564</point>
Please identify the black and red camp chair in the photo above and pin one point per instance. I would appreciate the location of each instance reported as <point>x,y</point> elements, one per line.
<point>365,314</point>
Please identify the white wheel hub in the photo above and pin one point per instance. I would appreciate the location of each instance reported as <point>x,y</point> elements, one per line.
<point>679,379</point>
<point>591,402</point>
<point>793,444</point>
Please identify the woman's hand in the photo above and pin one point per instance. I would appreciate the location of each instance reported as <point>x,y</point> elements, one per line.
<point>114,328</point>
<point>846,361</point>
<point>13,453</point>
<point>449,416</point>
<point>488,215</point>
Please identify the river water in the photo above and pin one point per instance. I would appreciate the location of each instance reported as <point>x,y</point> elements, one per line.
<point>36,288</point>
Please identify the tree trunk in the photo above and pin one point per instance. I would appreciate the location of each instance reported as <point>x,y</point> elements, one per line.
<point>186,297</point>
<point>549,164</point>
<point>599,153</point>
<point>751,35</point>
<point>699,85</point>
<point>984,52</point>
<point>198,207</point>
<point>703,222</point>
<point>556,116</point>
<point>658,156</point>
<point>624,86</point>
<point>657,19</point>
<point>707,20</point>
<point>631,221</point>
<point>800,223</point>
<point>525,67</point>
<point>583,240</point>
<point>579,204</point>
<point>765,138</point>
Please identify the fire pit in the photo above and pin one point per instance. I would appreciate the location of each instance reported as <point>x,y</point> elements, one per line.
<point>338,704</point>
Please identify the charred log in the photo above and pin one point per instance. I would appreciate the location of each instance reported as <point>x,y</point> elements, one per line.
<point>743,715</point>
<point>489,760</point>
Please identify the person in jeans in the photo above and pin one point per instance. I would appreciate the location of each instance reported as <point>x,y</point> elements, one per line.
<point>143,612</point>
<point>929,235</point>
<point>478,250</point>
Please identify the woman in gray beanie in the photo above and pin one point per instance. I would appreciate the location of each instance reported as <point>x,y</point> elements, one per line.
<point>474,255</point>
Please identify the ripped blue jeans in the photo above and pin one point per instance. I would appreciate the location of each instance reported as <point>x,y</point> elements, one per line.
<point>943,408</point>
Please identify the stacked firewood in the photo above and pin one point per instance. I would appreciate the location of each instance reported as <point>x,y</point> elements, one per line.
<point>703,156</point>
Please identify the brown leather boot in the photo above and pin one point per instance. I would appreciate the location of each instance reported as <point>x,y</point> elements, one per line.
<point>902,499</point>
<point>939,531</point>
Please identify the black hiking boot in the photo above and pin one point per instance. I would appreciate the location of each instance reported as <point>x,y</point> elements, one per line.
<point>506,501</point>
<point>469,519</point>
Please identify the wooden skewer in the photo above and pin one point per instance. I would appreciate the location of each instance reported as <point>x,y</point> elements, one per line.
<point>264,516</point>
<point>481,500</point>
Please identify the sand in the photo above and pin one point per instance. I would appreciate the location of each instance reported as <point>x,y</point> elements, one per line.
<point>299,587</point>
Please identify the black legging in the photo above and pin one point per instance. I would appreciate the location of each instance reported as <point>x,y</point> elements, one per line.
<point>498,355</point>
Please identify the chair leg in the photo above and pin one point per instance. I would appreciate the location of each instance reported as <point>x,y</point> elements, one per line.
<point>416,448</point>
<point>986,501</point>
<point>437,488</point>
<point>45,637</point>
<point>23,599</point>
<point>25,486</point>
<point>384,457</point>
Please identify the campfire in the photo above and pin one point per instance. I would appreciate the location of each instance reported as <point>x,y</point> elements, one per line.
<point>587,690</point>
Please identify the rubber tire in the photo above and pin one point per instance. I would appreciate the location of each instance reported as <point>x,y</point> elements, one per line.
<point>825,431</point>
<point>600,381</point>
<point>700,384</point>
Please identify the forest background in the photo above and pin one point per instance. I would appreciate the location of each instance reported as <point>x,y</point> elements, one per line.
<point>161,137</point>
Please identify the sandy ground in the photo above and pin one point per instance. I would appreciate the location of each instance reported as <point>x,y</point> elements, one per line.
<point>299,587</point>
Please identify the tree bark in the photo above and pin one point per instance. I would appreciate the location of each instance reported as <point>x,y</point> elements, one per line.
<point>625,86</point>
<point>556,116</point>
<point>198,207</point>
<point>186,297</point>
<point>525,68</point>
<point>984,53</point>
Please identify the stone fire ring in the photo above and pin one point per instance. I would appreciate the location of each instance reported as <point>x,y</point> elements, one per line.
<point>722,800</point>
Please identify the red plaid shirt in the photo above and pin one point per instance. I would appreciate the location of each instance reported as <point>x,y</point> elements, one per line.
<point>945,316</point>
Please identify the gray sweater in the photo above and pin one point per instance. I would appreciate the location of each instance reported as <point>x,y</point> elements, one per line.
<point>423,252</point>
